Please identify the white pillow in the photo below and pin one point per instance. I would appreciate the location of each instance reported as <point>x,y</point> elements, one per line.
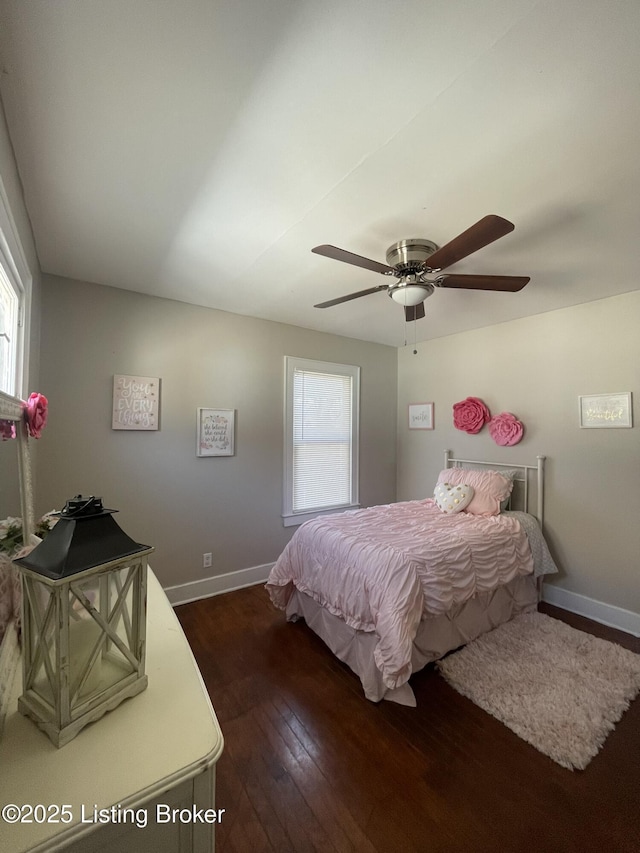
<point>453,498</point>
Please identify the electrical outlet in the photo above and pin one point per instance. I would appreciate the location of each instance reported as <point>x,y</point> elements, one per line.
<point>206,561</point>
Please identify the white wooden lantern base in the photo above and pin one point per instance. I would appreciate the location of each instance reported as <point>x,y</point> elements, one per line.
<point>30,707</point>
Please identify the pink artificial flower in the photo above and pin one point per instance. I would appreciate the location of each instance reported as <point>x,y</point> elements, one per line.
<point>470,415</point>
<point>7,430</point>
<point>36,413</point>
<point>505,429</point>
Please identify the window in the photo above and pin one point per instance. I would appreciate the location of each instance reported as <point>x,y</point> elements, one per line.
<point>321,438</point>
<point>9,305</point>
<point>15,292</point>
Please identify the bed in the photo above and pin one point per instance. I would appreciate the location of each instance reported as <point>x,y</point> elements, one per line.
<point>391,588</point>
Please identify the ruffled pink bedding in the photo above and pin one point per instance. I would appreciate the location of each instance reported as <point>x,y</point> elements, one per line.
<point>381,569</point>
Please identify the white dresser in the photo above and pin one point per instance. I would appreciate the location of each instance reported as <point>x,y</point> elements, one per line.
<point>139,780</point>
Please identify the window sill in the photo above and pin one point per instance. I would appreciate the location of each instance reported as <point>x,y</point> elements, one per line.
<point>294,519</point>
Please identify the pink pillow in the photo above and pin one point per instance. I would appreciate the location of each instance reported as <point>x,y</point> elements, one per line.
<point>490,488</point>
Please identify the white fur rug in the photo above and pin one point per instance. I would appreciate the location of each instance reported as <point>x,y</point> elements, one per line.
<point>559,689</point>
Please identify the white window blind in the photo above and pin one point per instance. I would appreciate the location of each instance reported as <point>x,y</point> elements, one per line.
<point>9,305</point>
<point>322,441</point>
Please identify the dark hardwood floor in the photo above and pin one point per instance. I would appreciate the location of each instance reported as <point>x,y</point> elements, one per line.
<point>310,764</point>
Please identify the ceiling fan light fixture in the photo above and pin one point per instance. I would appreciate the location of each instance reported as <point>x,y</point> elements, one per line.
<point>410,294</point>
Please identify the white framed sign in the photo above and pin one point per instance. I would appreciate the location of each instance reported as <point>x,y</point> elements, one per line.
<point>215,433</point>
<point>136,402</point>
<point>420,415</point>
<point>606,411</point>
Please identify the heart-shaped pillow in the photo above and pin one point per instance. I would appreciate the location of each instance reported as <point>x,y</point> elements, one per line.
<point>452,499</point>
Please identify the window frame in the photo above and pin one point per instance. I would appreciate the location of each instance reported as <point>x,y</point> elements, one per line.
<point>291,364</point>
<point>16,269</point>
<point>9,332</point>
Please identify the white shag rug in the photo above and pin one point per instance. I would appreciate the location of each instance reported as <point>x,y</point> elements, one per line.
<point>559,689</point>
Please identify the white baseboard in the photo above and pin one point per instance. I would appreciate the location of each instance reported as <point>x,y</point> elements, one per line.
<point>606,614</point>
<point>205,588</point>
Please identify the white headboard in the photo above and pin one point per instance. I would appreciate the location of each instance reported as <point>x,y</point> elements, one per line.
<point>525,478</point>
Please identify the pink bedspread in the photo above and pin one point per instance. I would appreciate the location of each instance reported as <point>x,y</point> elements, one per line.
<point>381,569</point>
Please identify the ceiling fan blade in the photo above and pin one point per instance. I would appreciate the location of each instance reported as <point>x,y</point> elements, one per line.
<point>349,258</point>
<point>350,296</point>
<point>414,312</point>
<point>485,231</point>
<point>509,283</point>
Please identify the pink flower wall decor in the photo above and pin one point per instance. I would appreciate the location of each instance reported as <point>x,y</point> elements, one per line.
<point>36,413</point>
<point>470,415</point>
<point>505,429</point>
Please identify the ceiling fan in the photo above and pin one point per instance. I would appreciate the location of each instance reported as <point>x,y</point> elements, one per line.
<point>413,263</point>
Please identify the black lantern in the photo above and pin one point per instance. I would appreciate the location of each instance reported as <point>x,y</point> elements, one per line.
<point>83,620</point>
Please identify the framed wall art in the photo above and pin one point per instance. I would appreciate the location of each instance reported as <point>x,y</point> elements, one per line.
<point>420,415</point>
<point>606,411</point>
<point>136,402</point>
<point>215,432</point>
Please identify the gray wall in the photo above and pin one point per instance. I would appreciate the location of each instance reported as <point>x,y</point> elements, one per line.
<point>167,497</point>
<point>536,368</point>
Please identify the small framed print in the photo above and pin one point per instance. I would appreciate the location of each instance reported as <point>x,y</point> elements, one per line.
<point>215,432</point>
<point>420,415</point>
<point>606,411</point>
<point>136,402</point>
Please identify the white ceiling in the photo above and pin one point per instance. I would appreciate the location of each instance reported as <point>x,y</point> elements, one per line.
<point>198,149</point>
